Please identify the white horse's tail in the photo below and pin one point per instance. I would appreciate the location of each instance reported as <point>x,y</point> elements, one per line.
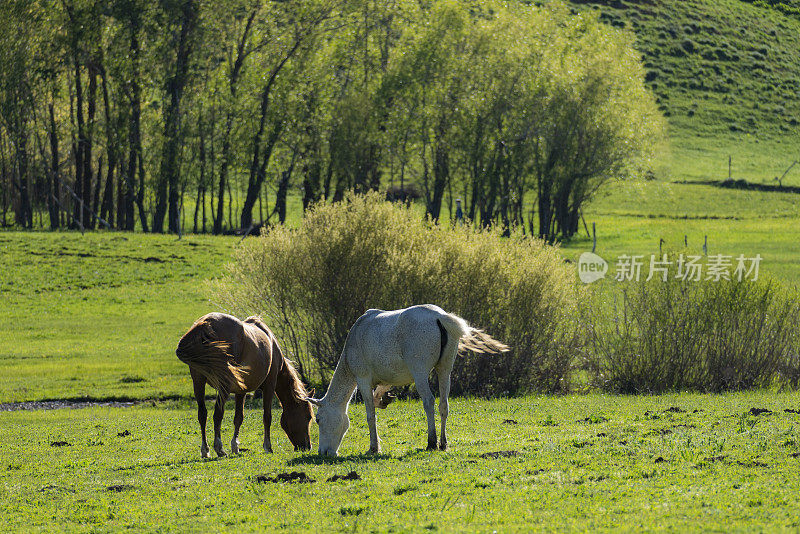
<point>470,338</point>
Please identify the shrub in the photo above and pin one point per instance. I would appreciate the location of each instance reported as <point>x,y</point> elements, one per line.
<point>312,283</point>
<point>708,336</point>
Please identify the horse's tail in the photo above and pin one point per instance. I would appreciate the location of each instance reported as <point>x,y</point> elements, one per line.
<point>468,338</point>
<point>200,349</point>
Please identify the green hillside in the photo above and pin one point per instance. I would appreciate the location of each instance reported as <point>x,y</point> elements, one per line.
<point>717,66</point>
<point>727,77</point>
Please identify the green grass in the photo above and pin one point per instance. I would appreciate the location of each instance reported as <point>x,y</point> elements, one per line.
<point>99,315</point>
<point>83,315</point>
<point>580,463</point>
<point>632,217</point>
<point>718,67</point>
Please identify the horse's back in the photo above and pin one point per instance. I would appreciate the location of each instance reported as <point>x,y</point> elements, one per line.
<point>249,343</point>
<point>392,345</point>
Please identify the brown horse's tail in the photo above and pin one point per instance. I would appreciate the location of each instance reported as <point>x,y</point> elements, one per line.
<point>200,349</point>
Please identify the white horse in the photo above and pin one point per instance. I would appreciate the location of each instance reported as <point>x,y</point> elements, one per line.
<point>395,348</point>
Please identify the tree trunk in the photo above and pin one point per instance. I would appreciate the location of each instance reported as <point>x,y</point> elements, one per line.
<point>233,81</point>
<point>196,209</point>
<point>223,174</point>
<point>54,187</point>
<point>441,175</point>
<point>167,193</point>
<point>25,213</point>
<point>283,188</point>
<point>258,167</point>
<point>255,182</point>
<point>5,179</point>
<point>96,193</point>
<point>204,210</point>
<point>88,220</point>
<point>106,210</point>
<point>81,143</point>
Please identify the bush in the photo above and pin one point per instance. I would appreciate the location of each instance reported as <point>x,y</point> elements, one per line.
<point>312,283</point>
<point>707,336</point>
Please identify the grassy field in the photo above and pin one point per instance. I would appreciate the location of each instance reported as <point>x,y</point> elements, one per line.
<point>673,462</point>
<point>99,315</point>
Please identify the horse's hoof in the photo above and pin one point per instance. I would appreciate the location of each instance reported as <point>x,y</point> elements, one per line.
<point>268,450</point>
<point>443,446</point>
<point>234,448</point>
<point>432,445</point>
<point>374,451</point>
<point>205,453</point>
<point>221,453</point>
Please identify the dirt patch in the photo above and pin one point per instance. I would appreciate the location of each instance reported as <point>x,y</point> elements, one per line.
<point>405,489</point>
<point>674,409</point>
<point>119,487</point>
<point>790,410</point>
<point>715,458</point>
<point>132,379</point>
<point>60,444</point>
<point>351,510</point>
<point>759,411</point>
<point>659,460</point>
<point>594,419</point>
<point>124,434</point>
<point>352,475</point>
<point>51,487</point>
<point>500,454</point>
<point>56,404</point>
<point>510,422</point>
<point>752,463</point>
<point>294,476</point>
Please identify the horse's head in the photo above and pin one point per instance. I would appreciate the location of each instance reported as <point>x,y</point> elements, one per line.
<point>333,423</point>
<point>296,422</point>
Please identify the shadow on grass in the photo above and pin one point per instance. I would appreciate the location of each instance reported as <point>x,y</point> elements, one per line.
<point>315,459</point>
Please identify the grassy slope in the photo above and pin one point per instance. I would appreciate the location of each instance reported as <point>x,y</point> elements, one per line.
<point>718,67</point>
<point>585,463</point>
<point>727,78</point>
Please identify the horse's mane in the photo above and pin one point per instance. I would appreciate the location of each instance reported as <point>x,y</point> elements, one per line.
<point>296,388</point>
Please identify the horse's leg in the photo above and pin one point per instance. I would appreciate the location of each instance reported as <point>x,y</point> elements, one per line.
<point>219,410</point>
<point>424,390</point>
<point>237,421</point>
<point>268,391</point>
<point>199,383</point>
<point>444,407</point>
<point>365,388</point>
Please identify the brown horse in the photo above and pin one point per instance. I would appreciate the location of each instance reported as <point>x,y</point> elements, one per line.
<point>238,357</point>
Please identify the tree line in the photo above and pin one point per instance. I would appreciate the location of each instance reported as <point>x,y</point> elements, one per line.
<point>175,114</point>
